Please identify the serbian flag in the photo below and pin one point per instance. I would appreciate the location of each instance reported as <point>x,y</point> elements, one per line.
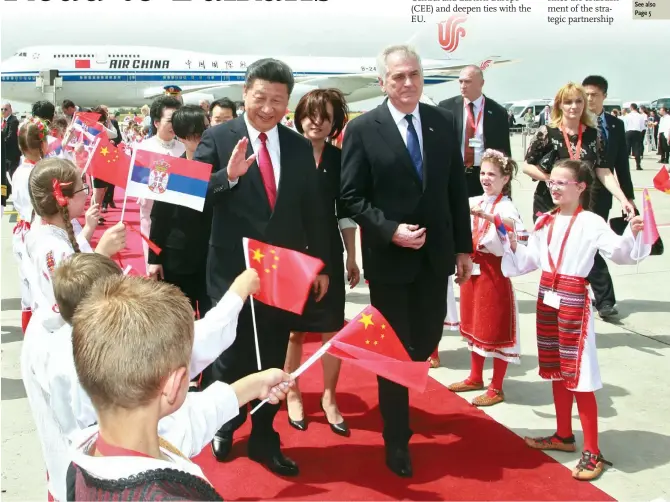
<point>54,148</point>
<point>369,342</point>
<point>662,180</point>
<point>286,275</point>
<point>650,231</point>
<point>109,163</point>
<point>170,179</point>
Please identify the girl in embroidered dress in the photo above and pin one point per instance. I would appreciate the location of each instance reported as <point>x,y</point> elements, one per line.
<point>33,144</point>
<point>58,195</point>
<point>563,246</point>
<point>489,314</point>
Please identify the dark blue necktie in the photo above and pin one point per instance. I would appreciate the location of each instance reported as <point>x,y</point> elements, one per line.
<point>413,146</point>
<point>603,129</point>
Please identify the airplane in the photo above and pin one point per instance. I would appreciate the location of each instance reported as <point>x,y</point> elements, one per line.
<point>128,76</point>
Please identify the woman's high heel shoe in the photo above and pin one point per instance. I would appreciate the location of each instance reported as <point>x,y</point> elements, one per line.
<point>340,429</point>
<point>301,425</point>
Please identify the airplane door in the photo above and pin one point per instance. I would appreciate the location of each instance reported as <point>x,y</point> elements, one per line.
<point>101,58</point>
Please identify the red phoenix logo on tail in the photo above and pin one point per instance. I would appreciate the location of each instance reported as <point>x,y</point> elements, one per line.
<point>485,64</point>
<point>449,33</point>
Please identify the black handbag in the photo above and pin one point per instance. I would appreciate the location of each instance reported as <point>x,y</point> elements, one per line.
<point>619,224</point>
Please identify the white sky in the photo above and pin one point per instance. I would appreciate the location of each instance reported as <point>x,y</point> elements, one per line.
<point>627,53</point>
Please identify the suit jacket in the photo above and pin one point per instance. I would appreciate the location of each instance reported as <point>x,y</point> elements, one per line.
<point>381,189</point>
<point>244,210</point>
<point>10,142</point>
<point>496,123</point>
<point>182,234</point>
<point>616,158</point>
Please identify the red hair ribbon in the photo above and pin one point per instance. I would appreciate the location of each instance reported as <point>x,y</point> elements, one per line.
<point>61,200</point>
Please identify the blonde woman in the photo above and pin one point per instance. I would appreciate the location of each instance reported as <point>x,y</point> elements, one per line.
<point>571,134</point>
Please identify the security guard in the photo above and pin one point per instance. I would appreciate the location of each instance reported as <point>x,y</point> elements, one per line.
<point>174,90</point>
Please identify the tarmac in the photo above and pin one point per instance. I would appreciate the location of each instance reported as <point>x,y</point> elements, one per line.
<point>634,356</point>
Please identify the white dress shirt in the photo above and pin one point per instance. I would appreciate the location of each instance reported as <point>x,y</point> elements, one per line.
<point>402,124</point>
<point>479,129</point>
<point>664,126</point>
<point>272,144</point>
<point>635,121</point>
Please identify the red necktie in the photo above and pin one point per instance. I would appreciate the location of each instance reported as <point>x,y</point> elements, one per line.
<point>267,171</point>
<point>469,156</point>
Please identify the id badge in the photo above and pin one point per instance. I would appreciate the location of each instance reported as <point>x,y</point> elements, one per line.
<point>552,299</point>
<point>475,143</point>
<point>475,269</point>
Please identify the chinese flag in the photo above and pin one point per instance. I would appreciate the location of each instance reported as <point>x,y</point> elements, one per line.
<point>368,341</point>
<point>662,180</point>
<point>109,163</point>
<point>82,63</point>
<point>286,275</point>
<point>650,230</point>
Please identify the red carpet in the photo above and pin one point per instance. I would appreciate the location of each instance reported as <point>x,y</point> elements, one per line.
<point>458,453</point>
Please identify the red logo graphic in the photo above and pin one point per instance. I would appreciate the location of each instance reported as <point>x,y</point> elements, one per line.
<point>449,32</point>
<point>485,64</point>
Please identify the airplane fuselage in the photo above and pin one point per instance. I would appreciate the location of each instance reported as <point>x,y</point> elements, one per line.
<point>130,76</point>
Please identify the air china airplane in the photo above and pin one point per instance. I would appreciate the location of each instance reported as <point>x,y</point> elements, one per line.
<point>133,76</point>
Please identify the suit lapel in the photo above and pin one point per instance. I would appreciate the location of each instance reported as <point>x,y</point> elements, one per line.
<point>488,112</point>
<point>458,115</point>
<point>430,139</point>
<point>239,130</point>
<point>388,129</point>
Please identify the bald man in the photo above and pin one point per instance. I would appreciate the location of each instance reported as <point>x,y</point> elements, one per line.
<point>481,123</point>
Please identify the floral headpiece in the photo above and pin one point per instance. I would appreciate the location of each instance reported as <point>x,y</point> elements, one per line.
<point>42,126</point>
<point>495,154</point>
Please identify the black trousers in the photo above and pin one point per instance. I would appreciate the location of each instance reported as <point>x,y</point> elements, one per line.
<point>416,312</point>
<point>240,360</point>
<point>599,277</point>
<point>472,181</point>
<point>635,144</point>
<point>663,149</point>
<point>193,285</point>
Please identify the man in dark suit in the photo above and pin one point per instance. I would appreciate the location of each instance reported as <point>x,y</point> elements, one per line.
<point>481,123</point>
<point>11,155</point>
<point>402,181</point>
<point>613,133</point>
<point>263,187</point>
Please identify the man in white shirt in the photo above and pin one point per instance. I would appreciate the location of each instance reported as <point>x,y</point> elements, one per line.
<point>636,125</point>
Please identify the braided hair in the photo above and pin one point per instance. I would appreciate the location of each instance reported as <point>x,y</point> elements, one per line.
<point>32,135</point>
<point>52,182</point>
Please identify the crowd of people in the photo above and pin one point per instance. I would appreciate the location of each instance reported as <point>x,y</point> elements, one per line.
<point>108,359</point>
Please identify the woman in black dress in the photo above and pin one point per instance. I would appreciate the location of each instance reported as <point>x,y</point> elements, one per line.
<point>572,134</point>
<point>321,115</point>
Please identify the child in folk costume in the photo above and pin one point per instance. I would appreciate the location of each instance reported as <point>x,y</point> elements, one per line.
<point>145,330</point>
<point>59,404</point>
<point>563,246</point>
<point>489,313</point>
<point>33,145</point>
<point>58,195</point>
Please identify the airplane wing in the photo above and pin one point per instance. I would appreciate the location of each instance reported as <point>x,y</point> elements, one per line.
<point>211,88</point>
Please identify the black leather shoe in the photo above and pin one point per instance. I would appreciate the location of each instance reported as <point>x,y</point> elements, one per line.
<point>341,429</point>
<point>221,446</point>
<point>398,460</point>
<point>607,311</point>
<point>301,425</point>
<point>276,462</point>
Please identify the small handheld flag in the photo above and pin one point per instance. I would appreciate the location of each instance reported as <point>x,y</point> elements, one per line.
<point>650,231</point>
<point>662,180</point>
<point>171,179</point>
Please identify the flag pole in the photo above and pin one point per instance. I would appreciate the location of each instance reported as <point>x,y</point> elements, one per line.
<point>125,192</point>
<point>245,246</point>
<point>312,359</point>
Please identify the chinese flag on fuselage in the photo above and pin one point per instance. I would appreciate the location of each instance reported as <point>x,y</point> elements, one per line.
<point>369,341</point>
<point>286,275</point>
<point>109,163</point>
